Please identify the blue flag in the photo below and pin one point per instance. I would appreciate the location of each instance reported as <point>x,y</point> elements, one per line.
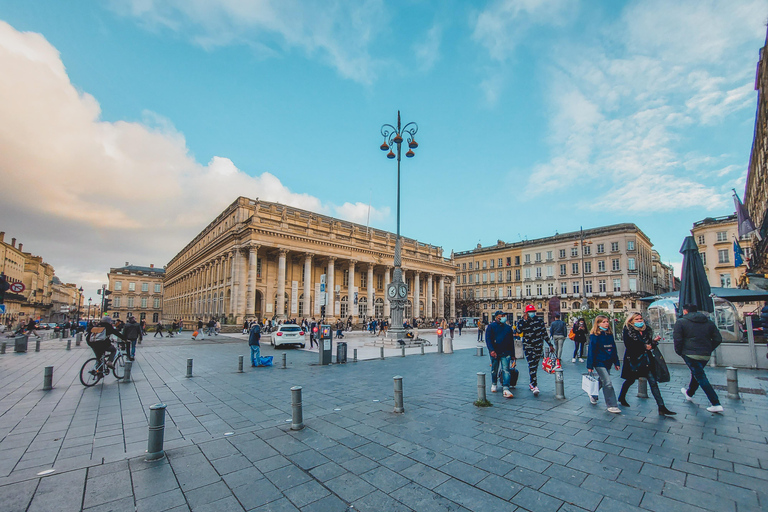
<point>737,254</point>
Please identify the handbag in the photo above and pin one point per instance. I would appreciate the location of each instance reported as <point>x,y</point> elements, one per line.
<point>590,384</point>
<point>661,370</point>
<point>572,335</point>
<point>548,364</point>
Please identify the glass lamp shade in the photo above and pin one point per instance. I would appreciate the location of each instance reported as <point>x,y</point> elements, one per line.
<point>413,144</point>
<point>384,146</point>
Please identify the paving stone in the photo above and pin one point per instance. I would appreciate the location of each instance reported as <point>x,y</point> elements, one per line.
<point>424,475</point>
<point>702,500</point>
<point>333,503</point>
<point>744,497</point>
<point>359,465</point>
<point>122,505</point>
<point>308,459</point>
<point>499,486</point>
<point>572,494</point>
<point>228,504</point>
<point>256,493</point>
<point>109,487</point>
<point>611,505</point>
<point>350,487</point>
<point>463,472</point>
<point>163,501</point>
<point>527,477</point>
<point>306,493</point>
<point>470,497</point>
<point>207,494</point>
<point>535,501</point>
<point>565,474</point>
<point>384,479</point>
<point>16,497</point>
<point>287,477</point>
<point>281,505</point>
<point>62,492</point>
<point>422,499</point>
<point>327,471</point>
<point>615,490</point>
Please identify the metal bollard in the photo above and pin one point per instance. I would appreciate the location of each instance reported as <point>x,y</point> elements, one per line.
<point>2,347</point>
<point>156,432</point>
<point>422,349</point>
<point>559,384</point>
<point>37,345</point>
<point>354,355</point>
<point>189,368</point>
<point>382,352</point>
<point>285,361</point>
<point>481,387</point>
<point>440,344</point>
<point>128,366</point>
<point>69,344</point>
<point>402,351</point>
<point>479,351</point>
<point>399,394</point>
<point>297,420</point>
<point>48,378</point>
<point>732,380</point>
<point>642,387</point>
<point>239,364</point>
<point>78,339</point>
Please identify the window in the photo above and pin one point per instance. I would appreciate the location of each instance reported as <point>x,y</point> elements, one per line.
<point>574,268</point>
<point>703,258</point>
<point>587,250</point>
<point>363,280</point>
<point>143,303</point>
<point>116,302</point>
<point>517,274</point>
<point>562,269</point>
<point>527,273</point>
<point>130,302</point>
<point>142,316</point>
<point>509,275</point>
<point>631,264</point>
<point>538,256</point>
<point>630,245</point>
<point>492,262</point>
<point>538,272</point>
<point>722,256</point>
<point>575,287</point>
<point>158,287</point>
<point>725,280</point>
<point>464,294</point>
<point>485,264</point>
<point>617,285</point>
<point>500,260</point>
<point>633,288</point>
<point>701,240</point>
<point>345,279</point>
<point>258,267</point>
<point>517,260</point>
<point>470,265</point>
<point>549,255</point>
<point>614,246</point>
<point>464,279</point>
<point>587,286</point>
<point>485,277</point>
<point>601,266</point>
<point>722,236</point>
<point>551,288</point>
<point>587,267</point>
<point>116,314</point>
<point>562,253</point>
<point>601,286</point>
<point>118,286</point>
<point>509,291</point>
<point>574,252</point>
<point>519,306</point>
<point>464,266</point>
<point>563,288</point>
<point>155,317</point>
<point>527,258</point>
<point>509,261</point>
<point>538,289</point>
<point>380,281</point>
<point>498,276</point>
<point>616,264</point>
<point>470,278</point>
<point>493,277</point>
<point>600,248</point>
<point>131,287</point>
<point>156,303</point>
<point>550,271</point>
<point>145,287</point>
<point>527,290</point>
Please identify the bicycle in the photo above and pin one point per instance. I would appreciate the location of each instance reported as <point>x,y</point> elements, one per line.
<point>95,368</point>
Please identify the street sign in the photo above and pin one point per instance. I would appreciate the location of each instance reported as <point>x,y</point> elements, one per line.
<point>17,287</point>
<point>322,278</point>
<point>64,309</point>
<point>322,287</point>
<point>2,309</point>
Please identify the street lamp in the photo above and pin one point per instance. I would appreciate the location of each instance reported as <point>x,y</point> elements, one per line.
<point>397,290</point>
<point>89,308</point>
<point>79,304</point>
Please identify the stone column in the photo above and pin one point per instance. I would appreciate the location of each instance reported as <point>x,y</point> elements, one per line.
<point>351,290</point>
<point>452,305</point>
<point>330,305</point>
<point>280,307</point>
<point>307,285</point>
<point>386,286</point>
<point>242,299</point>
<point>416,294</point>
<point>233,285</point>
<point>429,296</point>
<point>371,308</point>
<point>250,298</point>
<point>441,298</point>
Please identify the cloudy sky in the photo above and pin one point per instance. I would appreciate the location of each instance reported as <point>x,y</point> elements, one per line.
<point>127,125</point>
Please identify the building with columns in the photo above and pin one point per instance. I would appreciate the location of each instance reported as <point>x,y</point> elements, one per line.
<point>266,260</point>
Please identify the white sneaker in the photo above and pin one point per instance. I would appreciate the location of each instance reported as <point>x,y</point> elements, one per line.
<point>536,391</point>
<point>614,410</point>
<point>593,400</point>
<point>493,388</point>
<point>581,360</point>
<point>507,394</point>
<point>684,391</point>
<point>573,360</point>
<point>715,408</point>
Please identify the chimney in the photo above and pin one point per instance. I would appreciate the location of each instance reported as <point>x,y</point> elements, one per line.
<point>151,265</point>
<point>2,235</point>
<point>20,246</point>
<point>13,243</point>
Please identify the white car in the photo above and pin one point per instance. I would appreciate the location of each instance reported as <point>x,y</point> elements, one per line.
<point>288,335</point>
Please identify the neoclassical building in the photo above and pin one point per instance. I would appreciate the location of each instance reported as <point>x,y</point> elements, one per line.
<point>266,260</point>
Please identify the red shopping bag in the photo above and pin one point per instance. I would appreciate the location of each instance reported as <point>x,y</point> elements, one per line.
<point>549,362</point>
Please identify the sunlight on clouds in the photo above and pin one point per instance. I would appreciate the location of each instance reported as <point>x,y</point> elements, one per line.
<point>359,213</point>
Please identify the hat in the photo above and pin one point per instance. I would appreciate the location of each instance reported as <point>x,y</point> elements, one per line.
<point>530,308</point>
<point>107,319</point>
<point>498,313</point>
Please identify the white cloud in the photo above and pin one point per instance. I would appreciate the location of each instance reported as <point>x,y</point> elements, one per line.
<point>427,51</point>
<point>86,194</point>
<point>336,31</point>
<point>361,213</point>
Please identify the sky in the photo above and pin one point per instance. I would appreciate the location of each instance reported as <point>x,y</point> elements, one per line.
<point>126,126</point>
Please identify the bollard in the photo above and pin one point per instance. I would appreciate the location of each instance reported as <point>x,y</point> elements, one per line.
<point>285,361</point>
<point>481,387</point>
<point>402,349</point>
<point>127,375</point>
<point>37,345</point>
<point>297,420</point>
<point>354,352</point>
<point>399,394</point>
<point>48,378</point>
<point>239,364</point>
<point>189,367</point>
<point>479,351</point>
<point>69,344</point>
<point>2,347</point>
<point>642,387</point>
<point>156,432</point>
<point>78,339</point>
<point>559,384</point>
<point>439,343</point>
<point>732,380</point>
<point>382,352</point>
<point>422,349</point>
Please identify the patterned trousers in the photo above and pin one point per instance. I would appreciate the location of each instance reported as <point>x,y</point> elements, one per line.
<point>533,354</point>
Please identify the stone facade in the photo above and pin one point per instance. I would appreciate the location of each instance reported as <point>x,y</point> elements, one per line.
<point>715,237</point>
<point>256,251</point>
<point>136,291</point>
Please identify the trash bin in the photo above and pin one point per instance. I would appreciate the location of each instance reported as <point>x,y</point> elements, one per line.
<point>20,343</point>
<point>66,333</point>
<point>341,352</point>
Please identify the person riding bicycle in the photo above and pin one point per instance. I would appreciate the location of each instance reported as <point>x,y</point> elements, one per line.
<point>98,338</point>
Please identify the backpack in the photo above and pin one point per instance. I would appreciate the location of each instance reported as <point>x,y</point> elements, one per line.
<point>98,334</point>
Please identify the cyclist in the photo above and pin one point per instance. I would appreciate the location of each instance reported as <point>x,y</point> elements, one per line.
<point>99,339</point>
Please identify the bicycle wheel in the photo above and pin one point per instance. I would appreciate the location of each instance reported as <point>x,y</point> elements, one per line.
<point>119,371</point>
<point>89,374</point>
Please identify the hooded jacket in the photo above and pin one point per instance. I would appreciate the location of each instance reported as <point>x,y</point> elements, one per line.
<point>132,330</point>
<point>696,335</point>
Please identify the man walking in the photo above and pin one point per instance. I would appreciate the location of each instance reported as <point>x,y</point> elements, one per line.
<point>158,330</point>
<point>696,337</point>
<point>534,335</point>
<point>132,333</point>
<point>501,348</point>
<point>480,330</point>
<point>558,332</point>
<point>253,342</point>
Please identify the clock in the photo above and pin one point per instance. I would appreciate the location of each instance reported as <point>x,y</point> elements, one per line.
<point>392,291</point>
<point>403,290</point>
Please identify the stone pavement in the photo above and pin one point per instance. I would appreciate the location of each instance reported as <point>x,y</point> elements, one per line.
<point>442,454</point>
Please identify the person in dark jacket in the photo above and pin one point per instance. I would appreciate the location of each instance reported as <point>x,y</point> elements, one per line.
<point>104,346</point>
<point>501,348</point>
<point>601,355</point>
<point>534,334</point>
<point>696,337</point>
<point>558,332</point>
<point>580,333</point>
<point>639,361</point>
<point>132,333</point>
<point>158,330</point>
<point>253,341</point>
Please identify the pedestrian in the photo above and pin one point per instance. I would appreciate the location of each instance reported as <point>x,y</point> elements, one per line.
<point>579,339</point>
<point>181,325</point>
<point>696,337</point>
<point>211,325</point>
<point>143,325</point>
<point>173,329</point>
<point>601,355</point>
<point>158,330</point>
<point>534,334</point>
<point>480,331</point>
<point>459,325</point>
<point>132,333</point>
<point>31,327</point>
<point>501,349</point>
<point>451,327</point>
<point>312,331</point>
<point>253,342</point>
<point>639,361</point>
<point>558,332</point>
<point>200,328</point>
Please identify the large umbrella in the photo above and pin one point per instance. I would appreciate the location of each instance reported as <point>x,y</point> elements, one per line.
<point>694,287</point>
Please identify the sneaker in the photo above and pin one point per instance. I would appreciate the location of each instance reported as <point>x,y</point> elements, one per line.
<point>593,400</point>
<point>614,410</point>
<point>573,360</point>
<point>684,391</point>
<point>493,388</point>
<point>507,394</point>
<point>532,387</point>
<point>581,360</point>
<point>535,391</point>
<point>715,408</point>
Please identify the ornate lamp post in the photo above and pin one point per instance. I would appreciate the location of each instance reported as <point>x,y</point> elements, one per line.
<point>398,290</point>
<point>89,308</point>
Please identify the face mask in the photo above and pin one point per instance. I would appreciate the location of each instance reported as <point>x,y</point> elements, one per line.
<point>531,315</point>
<point>503,320</point>
<point>602,328</point>
<point>639,325</point>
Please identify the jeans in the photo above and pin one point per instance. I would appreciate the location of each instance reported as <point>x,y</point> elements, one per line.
<point>504,362</point>
<point>255,355</point>
<point>652,382</point>
<point>699,378</point>
<point>578,347</point>
<point>495,370</point>
<point>559,342</point>
<point>607,386</point>
<point>133,348</point>
<point>479,335</point>
<point>158,332</point>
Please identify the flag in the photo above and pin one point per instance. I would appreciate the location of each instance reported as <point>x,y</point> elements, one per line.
<point>738,259</point>
<point>745,224</point>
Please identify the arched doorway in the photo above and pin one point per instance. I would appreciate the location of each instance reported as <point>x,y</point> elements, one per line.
<point>379,308</point>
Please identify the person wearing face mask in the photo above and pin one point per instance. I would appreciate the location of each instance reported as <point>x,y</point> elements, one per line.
<point>601,355</point>
<point>501,347</point>
<point>638,360</point>
<point>534,334</point>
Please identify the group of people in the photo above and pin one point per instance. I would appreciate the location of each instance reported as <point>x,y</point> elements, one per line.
<point>695,338</point>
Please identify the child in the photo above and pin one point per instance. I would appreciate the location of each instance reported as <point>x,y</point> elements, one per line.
<point>601,355</point>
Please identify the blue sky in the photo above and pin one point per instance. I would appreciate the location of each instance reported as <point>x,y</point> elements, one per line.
<point>133,123</point>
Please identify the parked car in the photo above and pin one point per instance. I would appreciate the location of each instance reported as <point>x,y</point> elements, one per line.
<point>288,335</point>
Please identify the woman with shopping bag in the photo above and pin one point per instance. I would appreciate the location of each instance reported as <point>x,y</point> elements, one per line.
<point>639,361</point>
<point>601,355</point>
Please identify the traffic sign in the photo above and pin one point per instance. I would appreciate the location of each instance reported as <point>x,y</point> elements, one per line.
<point>2,309</point>
<point>17,287</point>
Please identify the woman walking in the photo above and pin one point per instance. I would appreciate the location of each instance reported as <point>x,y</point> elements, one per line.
<point>601,355</point>
<point>638,360</point>
<point>579,339</point>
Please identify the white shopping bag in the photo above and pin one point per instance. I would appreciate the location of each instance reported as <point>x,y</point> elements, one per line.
<point>590,384</point>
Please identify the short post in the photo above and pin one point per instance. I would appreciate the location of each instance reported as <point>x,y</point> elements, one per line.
<point>37,345</point>
<point>382,352</point>
<point>440,341</point>
<point>239,364</point>
<point>559,384</point>
<point>481,387</point>
<point>354,355</point>
<point>48,378</point>
<point>285,361</point>
<point>402,350</point>
<point>128,366</point>
<point>189,367</point>
<point>2,347</point>
<point>69,344</point>
<point>78,339</point>
<point>156,432</point>
<point>479,351</point>
<point>399,394</point>
<point>642,387</point>
<point>297,420</point>
<point>422,349</point>
<point>732,381</point>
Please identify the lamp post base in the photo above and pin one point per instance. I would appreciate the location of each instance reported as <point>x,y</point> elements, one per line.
<point>396,333</point>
